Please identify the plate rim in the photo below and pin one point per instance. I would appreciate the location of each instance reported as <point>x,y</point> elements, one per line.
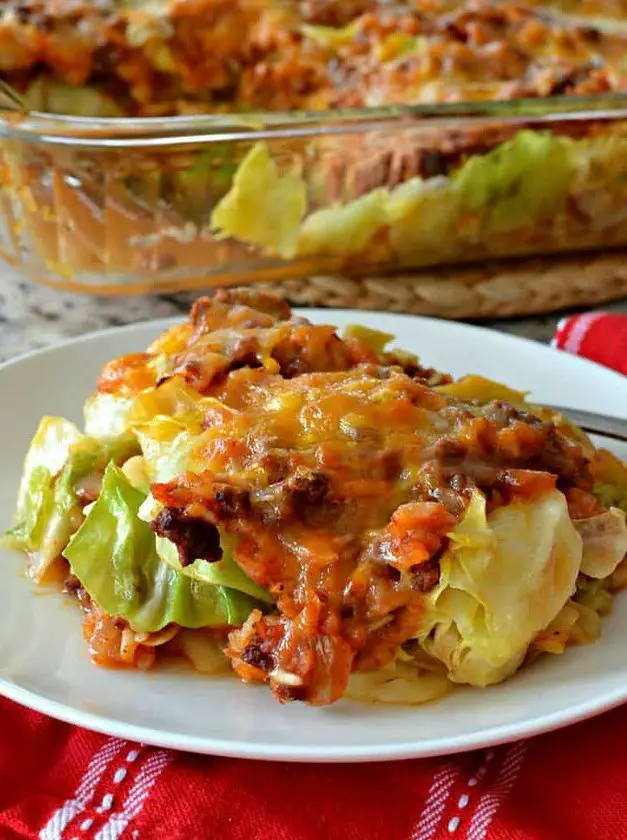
<point>494,736</point>
<point>487,737</point>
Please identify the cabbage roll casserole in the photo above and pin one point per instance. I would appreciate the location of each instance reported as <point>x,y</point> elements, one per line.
<point>164,57</point>
<point>320,513</point>
<point>348,179</point>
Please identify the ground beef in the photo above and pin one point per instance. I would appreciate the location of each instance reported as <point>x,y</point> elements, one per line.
<point>195,539</point>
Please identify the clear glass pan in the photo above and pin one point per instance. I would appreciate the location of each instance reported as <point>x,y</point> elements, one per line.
<point>122,206</point>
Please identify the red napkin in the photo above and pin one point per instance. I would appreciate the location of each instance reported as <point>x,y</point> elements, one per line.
<point>599,336</point>
<point>59,782</point>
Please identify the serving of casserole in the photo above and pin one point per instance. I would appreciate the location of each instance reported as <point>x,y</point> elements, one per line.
<point>320,513</point>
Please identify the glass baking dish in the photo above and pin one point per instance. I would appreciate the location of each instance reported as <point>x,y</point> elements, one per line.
<point>121,206</point>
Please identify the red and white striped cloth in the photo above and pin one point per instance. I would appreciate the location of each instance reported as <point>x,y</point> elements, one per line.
<point>599,336</point>
<point>59,782</point>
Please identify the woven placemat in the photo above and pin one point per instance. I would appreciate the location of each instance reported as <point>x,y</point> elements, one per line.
<point>492,290</point>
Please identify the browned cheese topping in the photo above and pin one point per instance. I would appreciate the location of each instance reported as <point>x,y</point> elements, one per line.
<point>187,56</point>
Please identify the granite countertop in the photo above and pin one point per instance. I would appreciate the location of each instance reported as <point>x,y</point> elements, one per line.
<point>33,316</point>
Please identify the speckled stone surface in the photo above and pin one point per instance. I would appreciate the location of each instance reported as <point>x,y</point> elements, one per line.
<point>33,316</point>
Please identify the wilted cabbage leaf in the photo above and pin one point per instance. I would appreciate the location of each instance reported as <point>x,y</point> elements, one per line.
<point>107,415</point>
<point>345,229</point>
<point>49,450</point>
<point>503,579</point>
<point>167,445</point>
<point>111,415</point>
<point>225,572</point>
<point>423,218</point>
<point>604,542</point>
<point>114,556</point>
<point>48,510</point>
<point>400,683</point>
<point>166,421</point>
<point>611,480</point>
<point>593,594</point>
<point>263,206</point>
<point>518,181</point>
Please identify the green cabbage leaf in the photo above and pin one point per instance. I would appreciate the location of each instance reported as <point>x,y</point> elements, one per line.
<point>114,555</point>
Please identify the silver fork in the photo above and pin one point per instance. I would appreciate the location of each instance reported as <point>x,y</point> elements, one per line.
<point>590,421</point>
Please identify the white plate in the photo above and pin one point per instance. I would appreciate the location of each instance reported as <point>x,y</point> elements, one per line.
<point>44,662</point>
